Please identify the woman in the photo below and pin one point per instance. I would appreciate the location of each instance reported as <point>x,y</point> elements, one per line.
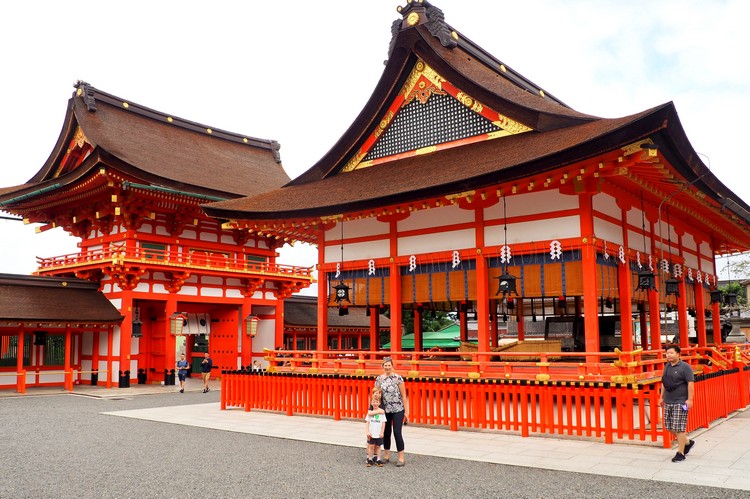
<point>396,408</point>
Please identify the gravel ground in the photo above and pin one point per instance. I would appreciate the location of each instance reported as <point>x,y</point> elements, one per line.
<point>61,446</point>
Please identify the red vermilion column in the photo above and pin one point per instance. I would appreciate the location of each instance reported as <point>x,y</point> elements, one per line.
<point>395,294</point>
<point>279,325</point>
<point>110,352</point>
<point>321,343</point>
<point>644,328</point>
<point>95,352</point>
<point>374,330</point>
<point>463,325</point>
<point>588,257</point>
<point>126,330</point>
<point>483,302</point>
<point>700,313</point>
<point>170,340</point>
<point>418,343</point>
<point>682,316</point>
<point>246,341</point>
<point>654,319</point>
<point>19,360</point>
<point>67,368</point>
<point>625,284</point>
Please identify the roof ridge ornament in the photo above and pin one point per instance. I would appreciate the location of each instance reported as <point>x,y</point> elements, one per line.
<point>423,12</point>
<point>86,91</point>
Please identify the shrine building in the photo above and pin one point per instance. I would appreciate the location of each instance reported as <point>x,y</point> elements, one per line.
<point>463,186</point>
<point>129,182</point>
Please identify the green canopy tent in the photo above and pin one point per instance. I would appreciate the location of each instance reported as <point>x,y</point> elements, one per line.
<point>445,338</point>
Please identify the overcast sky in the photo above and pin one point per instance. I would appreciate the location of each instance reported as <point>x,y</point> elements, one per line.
<point>300,72</point>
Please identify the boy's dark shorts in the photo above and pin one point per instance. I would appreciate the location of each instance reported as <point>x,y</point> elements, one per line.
<point>181,377</point>
<point>375,441</point>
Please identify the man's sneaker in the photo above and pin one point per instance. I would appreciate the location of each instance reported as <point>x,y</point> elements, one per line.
<point>182,390</point>
<point>369,463</point>
<point>379,463</point>
<point>678,457</point>
<point>689,446</point>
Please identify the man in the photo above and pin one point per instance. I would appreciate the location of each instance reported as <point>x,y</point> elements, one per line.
<point>206,365</point>
<point>182,370</point>
<point>677,399</point>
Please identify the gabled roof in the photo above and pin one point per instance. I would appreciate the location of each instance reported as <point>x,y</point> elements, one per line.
<point>535,133</point>
<point>155,147</point>
<point>54,301</point>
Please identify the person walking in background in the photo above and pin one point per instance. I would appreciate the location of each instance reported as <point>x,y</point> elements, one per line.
<point>677,383</point>
<point>396,407</point>
<point>206,365</point>
<point>182,370</point>
<point>375,430</point>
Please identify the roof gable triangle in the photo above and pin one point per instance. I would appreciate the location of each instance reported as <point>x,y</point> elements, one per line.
<point>428,114</point>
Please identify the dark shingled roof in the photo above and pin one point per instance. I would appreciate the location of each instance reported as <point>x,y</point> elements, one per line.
<point>52,300</point>
<point>559,136</point>
<point>303,311</point>
<point>160,149</point>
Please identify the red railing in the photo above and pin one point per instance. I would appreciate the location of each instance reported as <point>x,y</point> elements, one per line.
<point>624,407</point>
<point>193,259</point>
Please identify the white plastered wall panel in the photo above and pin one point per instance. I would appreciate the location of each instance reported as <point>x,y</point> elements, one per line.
<point>540,230</point>
<point>363,227</point>
<point>607,204</point>
<point>444,241</point>
<point>209,237</point>
<point>436,217</point>
<point>87,345</point>
<point>532,203</point>
<point>608,231</point>
<point>358,251</point>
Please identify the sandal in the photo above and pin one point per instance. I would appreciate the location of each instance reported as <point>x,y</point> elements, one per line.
<point>400,464</point>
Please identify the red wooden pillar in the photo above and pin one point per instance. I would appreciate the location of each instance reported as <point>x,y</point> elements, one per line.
<point>68,368</point>
<point>644,328</point>
<point>483,305</point>
<point>716,319</point>
<point>21,381</point>
<point>321,342</point>
<point>246,341</point>
<point>95,353</point>
<point>110,350</point>
<point>588,257</point>
<point>418,343</point>
<point>170,340</point>
<point>126,330</point>
<point>374,330</point>
<point>682,315</point>
<point>626,308</point>
<point>494,340</point>
<point>395,291</point>
<point>279,324</point>
<point>463,324</point>
<point>654,319</point>
<point>700,314</point>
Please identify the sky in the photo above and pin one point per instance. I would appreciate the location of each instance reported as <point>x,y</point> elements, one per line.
<point>299,72</point>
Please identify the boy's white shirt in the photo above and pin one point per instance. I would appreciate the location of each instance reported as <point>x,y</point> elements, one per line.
<point>376,421</point>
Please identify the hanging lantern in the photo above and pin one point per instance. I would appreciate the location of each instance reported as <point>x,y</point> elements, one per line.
<point>730,299</point>
<point>136,324</point>
<point>672,287</point>
<point>716,296</point>
<point>177,322</point>
<point>608,302</point>
<point>342,297</point>
<point>251,325</point>
<point>506,284</point>
<point>646,281</point>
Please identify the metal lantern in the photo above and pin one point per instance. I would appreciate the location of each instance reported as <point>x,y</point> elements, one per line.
<point>730,299</point>
<point>506,284</point>
<point>177,323</point>
<point>672,287</point>
<point>716,296</point>
<point>136,324</point>
<point>646,281</point>
<point>251,325</point>
<point>342,297</point>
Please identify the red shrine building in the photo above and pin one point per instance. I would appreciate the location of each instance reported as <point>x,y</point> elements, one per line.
<point>463,186</point>
<point>129,182</point>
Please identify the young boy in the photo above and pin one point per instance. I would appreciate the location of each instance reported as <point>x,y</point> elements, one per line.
<point>375,429</point>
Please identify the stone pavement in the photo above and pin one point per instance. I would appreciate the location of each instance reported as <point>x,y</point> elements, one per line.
<point>720,458</point>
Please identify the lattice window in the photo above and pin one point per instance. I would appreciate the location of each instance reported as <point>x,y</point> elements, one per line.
<point>442,119</point>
